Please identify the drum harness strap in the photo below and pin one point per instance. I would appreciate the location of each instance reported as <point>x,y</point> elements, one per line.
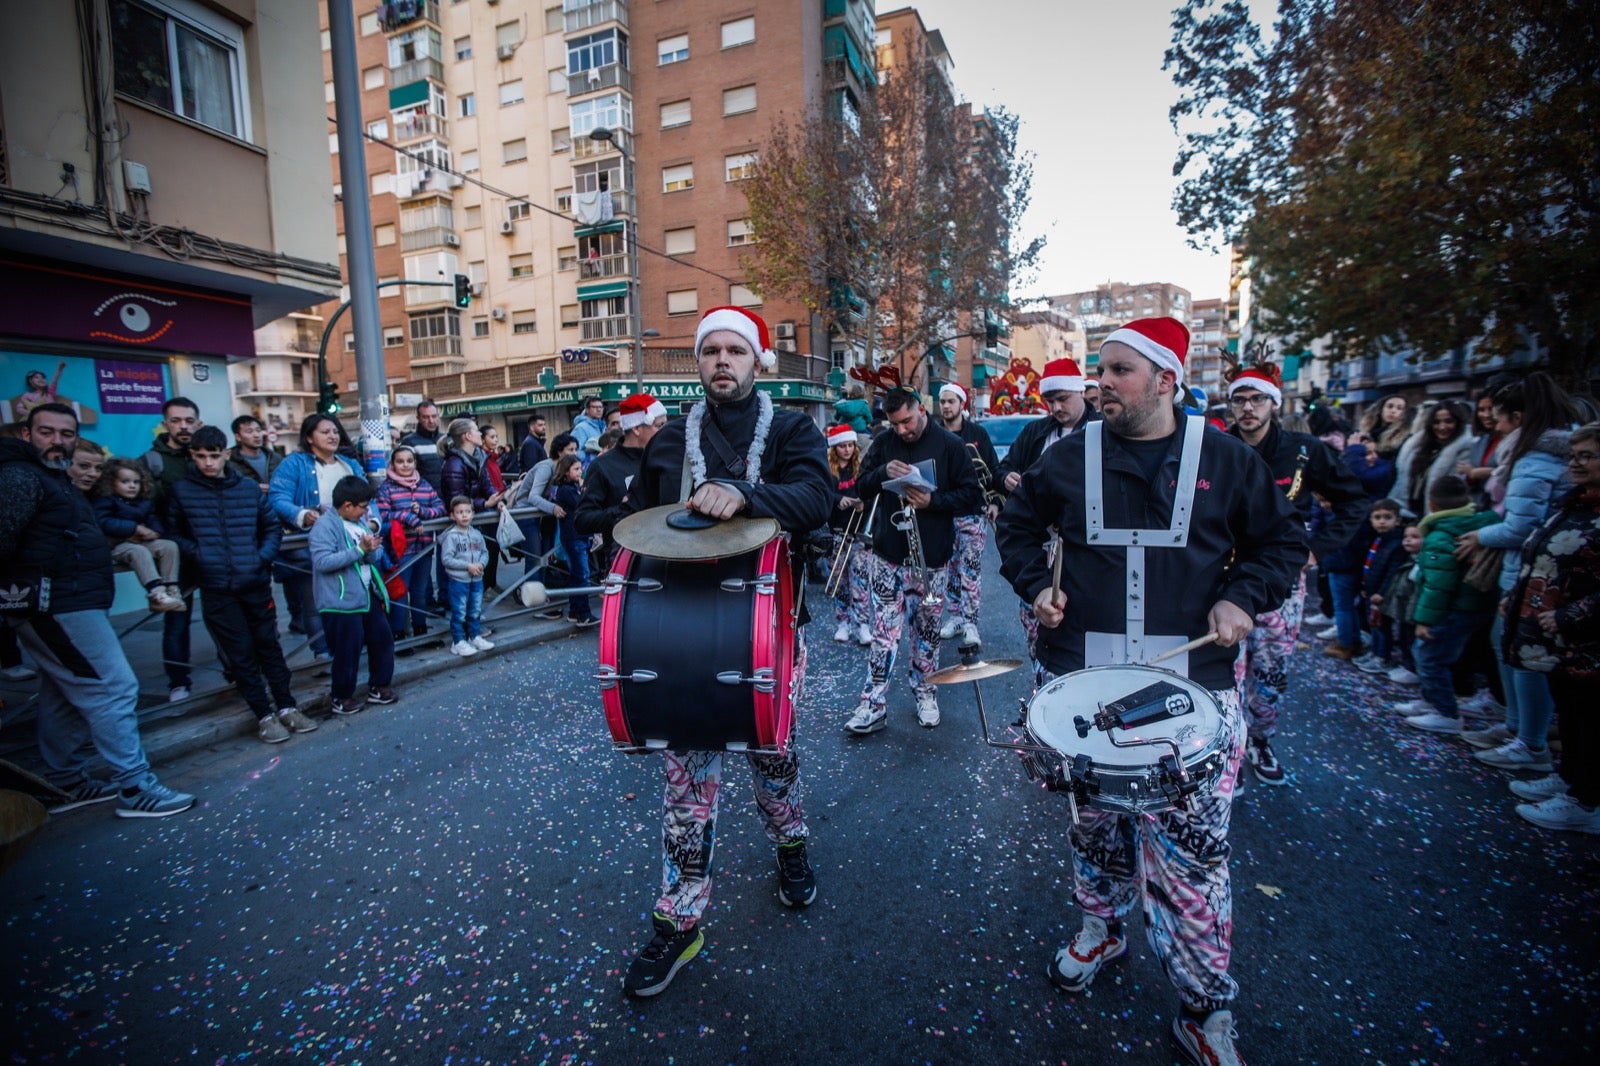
<point>1135,540</point>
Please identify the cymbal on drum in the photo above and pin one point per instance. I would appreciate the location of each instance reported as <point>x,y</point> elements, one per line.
<point>981,670</point>
<point>651,533</point>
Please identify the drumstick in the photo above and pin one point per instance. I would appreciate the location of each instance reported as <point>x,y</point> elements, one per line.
<point>1055,571</point>
<point>1197,642</point>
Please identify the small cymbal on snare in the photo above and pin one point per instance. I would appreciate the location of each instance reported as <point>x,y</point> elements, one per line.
<point>650,533</point>
<point>980,670</point>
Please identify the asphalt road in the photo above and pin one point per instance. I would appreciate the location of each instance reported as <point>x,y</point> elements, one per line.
<point>463,877</point>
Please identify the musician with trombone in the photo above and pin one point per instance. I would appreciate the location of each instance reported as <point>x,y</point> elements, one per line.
<point>912,542</point>
<point>847,569</point>
<point>965,578</point>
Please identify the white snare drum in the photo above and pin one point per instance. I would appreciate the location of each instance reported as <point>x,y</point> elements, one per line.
<point>1126,738</point>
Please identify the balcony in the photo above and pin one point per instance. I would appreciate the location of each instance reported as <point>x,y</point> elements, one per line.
<point>605,266</point>
<point>597,14</point>
<point>414,126</point>
<point>435,348</point>
<point>614,327</point>
<point>614,75</point>
<point>679,361</point>
<point>432,237</point>
<point>417,70</point>
<point>584,147</point>
<point>395,14</point>
<point>425,183</point>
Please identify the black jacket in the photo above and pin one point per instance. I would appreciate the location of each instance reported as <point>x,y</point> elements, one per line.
<point>1245,545</point>
<point>843,486</point>
<point>430,457</point>
<point>468,476</point>
<point>1029,445</point>
<point>1383,562</point>
<point>225,528</point>
<point>957,493</point>
<point>48,530</point>
<point>604,486</point>
<point>976,438</point>
<point>531,454</point>
<point>1321,471</point>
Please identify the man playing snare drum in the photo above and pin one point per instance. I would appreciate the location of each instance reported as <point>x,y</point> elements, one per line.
<point>1204,542</point>
<point>743,456</point>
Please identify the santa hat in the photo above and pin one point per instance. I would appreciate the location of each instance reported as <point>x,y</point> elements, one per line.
<point>1164,341</point>
<point>639,409</point>
<point>1091,383</point>
<point>952,389</point>
<point>1262,378</point>
<point>1061,375</point>
<point>841,434</point>
<point>746,324</point>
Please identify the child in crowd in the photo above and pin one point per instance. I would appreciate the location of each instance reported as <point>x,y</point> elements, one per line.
<point>222,522</point>
<point>1396,604</point>
<point>1448,608</point>
<point>566,486</point>
<point>350,596</point>
<point>1384,556</point>
<point>463,554</point>
<point>126,512</point>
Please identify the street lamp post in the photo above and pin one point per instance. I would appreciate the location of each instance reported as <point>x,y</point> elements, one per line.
<point>612,137</point>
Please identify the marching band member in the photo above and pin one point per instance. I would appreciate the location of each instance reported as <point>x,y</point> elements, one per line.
<point>1206,542</point>
<point>744,456</point>
<point>964,581</point>
<point>1301,465</point>
<point>606,484</point>
<point>904,586</point>
<point>851,607</point>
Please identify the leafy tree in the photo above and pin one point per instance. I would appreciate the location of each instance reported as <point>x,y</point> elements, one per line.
<point>1422,174</point>
<point>909,206</point>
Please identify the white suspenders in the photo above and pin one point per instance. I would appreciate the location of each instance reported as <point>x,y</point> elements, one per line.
<point>1101,648</point>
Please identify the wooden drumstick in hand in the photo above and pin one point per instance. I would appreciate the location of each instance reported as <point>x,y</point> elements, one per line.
<point>1197,642</point>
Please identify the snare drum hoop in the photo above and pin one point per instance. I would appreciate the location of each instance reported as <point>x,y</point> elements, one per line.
<point>610,641</point>
<point>1206,716</point>
<point>772,646</point>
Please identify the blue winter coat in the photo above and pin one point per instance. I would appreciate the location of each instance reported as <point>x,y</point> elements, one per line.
<point>1376,478</point>
<point>223,524</point>
<point>119,517</point>
<point>1538,479</point>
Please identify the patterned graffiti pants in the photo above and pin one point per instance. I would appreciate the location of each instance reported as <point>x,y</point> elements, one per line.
<point>689,825</point>
<point>896,597</point>
<point>964,571</point>
<point>853,604</point>
<point>1267,652</point>
<point>1030,631</point>
<point>1175,863</point>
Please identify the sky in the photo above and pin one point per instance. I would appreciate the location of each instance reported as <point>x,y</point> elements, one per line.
<point>1085,78</point>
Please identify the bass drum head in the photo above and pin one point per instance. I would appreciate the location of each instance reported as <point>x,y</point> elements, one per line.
<point>1080,694</point>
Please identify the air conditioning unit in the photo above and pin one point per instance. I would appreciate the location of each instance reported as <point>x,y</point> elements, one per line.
<point>505,51</point>
<point>783,346</point>
<point>784,331</point>
<point>498,314</point>
<point>452,240</point>
<point>457,180</point>
<point>477,288</point>
<point>507,226</point>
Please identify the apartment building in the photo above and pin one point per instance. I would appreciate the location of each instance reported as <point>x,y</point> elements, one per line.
<point>1041,336</point>
<point>1103,309</point>
<point>1208,343</point>
<point>163,192</point>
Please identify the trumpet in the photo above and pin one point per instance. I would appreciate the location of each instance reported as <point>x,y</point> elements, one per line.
<point>985,477</point>
<point>905,520</point>
<point>839,565</point>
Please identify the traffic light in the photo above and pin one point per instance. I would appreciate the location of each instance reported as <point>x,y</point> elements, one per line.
<point>328,402</point>
<point>991,333</point>
<point>463,290</point>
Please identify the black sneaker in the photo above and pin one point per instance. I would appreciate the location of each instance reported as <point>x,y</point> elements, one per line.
<point>1263,763</point>
<point>797,885</point>
<point>653,969</point>
<point>382,697</point>
<point>349,706</point>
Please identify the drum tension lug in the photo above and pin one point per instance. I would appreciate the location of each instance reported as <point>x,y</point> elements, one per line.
<point>764,680</point>
<point>608,677</point>
<point>1085,782</point>
<point>1176,783</point>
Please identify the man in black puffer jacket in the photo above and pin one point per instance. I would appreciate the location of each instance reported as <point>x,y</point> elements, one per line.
<point>222,522</point>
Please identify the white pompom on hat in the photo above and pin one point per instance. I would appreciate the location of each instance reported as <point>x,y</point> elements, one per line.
<point>747,324</point>
<point>1164,341</point>
<point>639,409</point>
<point>1061,375</point>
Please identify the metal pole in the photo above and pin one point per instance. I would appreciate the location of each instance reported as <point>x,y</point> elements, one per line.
<point>633,264</point>
<point>363,276</point>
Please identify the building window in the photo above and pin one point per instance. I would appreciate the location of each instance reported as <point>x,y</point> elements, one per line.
<point>569,316</point>
<point>517,210</point>
<point>524,322</point>
<point>333,144</point>
<point>683,302</point>
<point>614,111</point>
<point>560,140</point>
<point>678,178</point>
<point>383,236</point>
<point>349,340</point>
<point>472,217</point>
<point>567,258</point>
<point>388,292</point>
<point>379,129</point>
<point>514,151</point>
<point>603,49</point>
<point>738,101</point>
<point>739,232</point>
<point>741,296</point>
<point>469,162</point>
<point>372,78</point>
<point>508,34</point>
<point>468,105</point>
<point>191,65</point>
<point>557,80</point>
<point>442,324</point>
<point>672,49</point>
<point>327,91</point>
<point>739,166</point>
<point>393,337</point>
<point>511,93</point>
<point>675,114</point>
<point>554,21</point>
<point>679,241</point>
<point>564,200</point>
<point>739,31</point>
<point>480,326</point>
<point>463,48</point>
<point>522,265</point>
<point>368,24</point>
<point>327,41</point>
<point>382,183</point>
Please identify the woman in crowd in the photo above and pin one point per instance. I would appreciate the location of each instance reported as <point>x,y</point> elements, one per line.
<point>1441,438</point>
<point>1477,466</point>
<point>467,472</point>
<point>851,606</point>
<point>1374,447</point>
<point>406,498</point>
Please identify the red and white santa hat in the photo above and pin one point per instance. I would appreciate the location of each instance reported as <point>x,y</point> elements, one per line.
<point>639,409</point>
<point>1164,341</point>
<point>1262,380</point>
<point>746,324</point>
<point>952,389</point>
<point>1061,375</point>
<point>841,434</point>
